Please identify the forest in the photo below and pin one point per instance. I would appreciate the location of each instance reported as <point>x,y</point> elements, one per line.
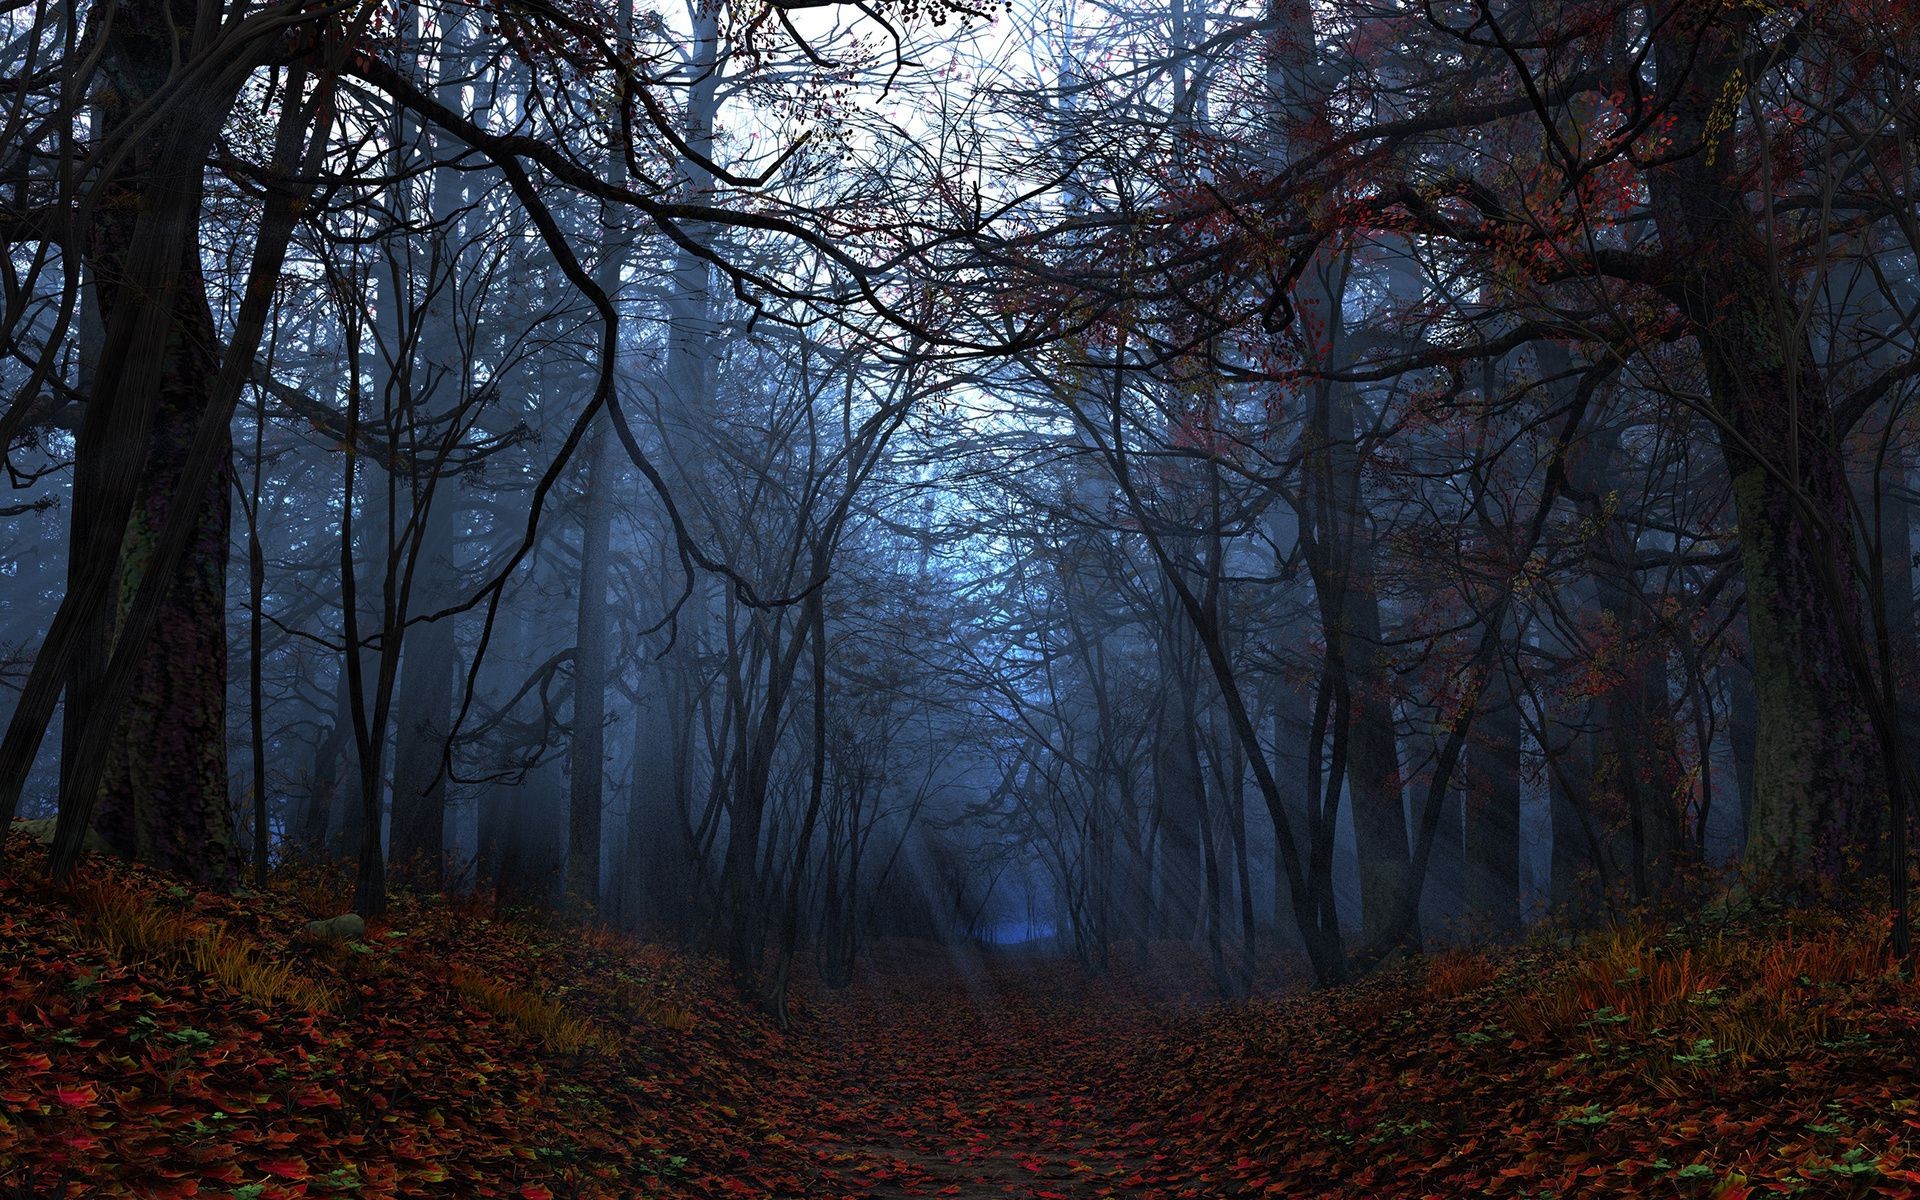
<point>882,598</point>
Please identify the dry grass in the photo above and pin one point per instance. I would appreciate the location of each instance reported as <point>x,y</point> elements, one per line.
<point>1695,1010</point>
<point>666,1016</point>
<point>1457,972</point>
<point>1838,954</point>
<point>1622,977</point>
<point>243,967</point>
<point>129,926</point>
<point>534,1015</point>
<point>133,929</point>
<point>642,1004</point>
<point>1778,1011</point>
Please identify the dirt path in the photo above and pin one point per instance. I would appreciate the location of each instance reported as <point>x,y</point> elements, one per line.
<point>996,1083</point>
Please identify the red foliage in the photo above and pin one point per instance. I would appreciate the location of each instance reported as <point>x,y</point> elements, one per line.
<point>1741,1064</point>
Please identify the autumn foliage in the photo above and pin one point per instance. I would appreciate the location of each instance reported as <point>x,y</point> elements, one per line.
<point>159,1040</point>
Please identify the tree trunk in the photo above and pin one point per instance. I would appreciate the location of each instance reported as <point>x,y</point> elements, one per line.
<point>1443,900</point>
<point>1576,871</point>
<point>425,704</point>
<point>1179,792</point>
<point>1819,788</point>
<point>1493,813</point>
<point>1743,737</point>
<point>438,381</point>
<point>163,794</point>
<point>587,751</point>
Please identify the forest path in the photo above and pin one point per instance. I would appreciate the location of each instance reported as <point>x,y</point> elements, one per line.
<point>989,1079</point>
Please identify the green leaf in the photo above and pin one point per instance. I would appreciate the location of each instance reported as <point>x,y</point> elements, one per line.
<point>1587,1116</point>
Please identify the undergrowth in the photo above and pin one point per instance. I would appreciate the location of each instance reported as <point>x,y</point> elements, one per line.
<point>134,928</point>
<point>1762,1056</point>
<point>158,1040</point>
<point>535,1015</point>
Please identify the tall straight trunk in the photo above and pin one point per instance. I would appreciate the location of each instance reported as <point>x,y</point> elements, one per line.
<point>1243,879</point>
<point>256,697</point>
<point>1633,791</point>
<point>1575,879</point>
<point>1819,782</point>
<point>1897,591</point>
<point>1178,794</point>
<point>1443,901</point>
<point>1346,581</point>
<point>746,820</point>
<point>1229,777</point>
<point>666,776</point>
<point>165,563</point>
<point>163,798</point>
<point>587,751</point>
<point>1298,749</point>
<point>90,655</point>
<point>163,794</point>
<point>424,707</point>
<point>1209,863</point>
<point>367,700</point>
<point>1493,812</point>
<point>1348,594</point>
<point>1491,805</point>
<point>323,780</point>
<point>1136,901</point>
<point>342,831</point>
<point>436,385</point>
<point>775,996</point>
<point>1743,737</point>
<point>659,888</point>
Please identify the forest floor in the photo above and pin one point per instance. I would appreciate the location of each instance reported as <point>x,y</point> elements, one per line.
<point>161,1041</point>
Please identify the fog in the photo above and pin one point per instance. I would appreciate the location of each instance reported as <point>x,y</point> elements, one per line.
<point>1077,478</point>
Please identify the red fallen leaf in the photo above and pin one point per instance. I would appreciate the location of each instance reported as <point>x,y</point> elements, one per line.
<point>535,1191</point>
<point>286,1168</point>
<point>74,1097</point>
